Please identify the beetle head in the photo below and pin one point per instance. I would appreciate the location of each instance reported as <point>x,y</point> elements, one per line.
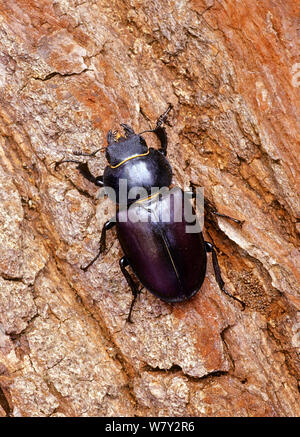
<point>121,148</point>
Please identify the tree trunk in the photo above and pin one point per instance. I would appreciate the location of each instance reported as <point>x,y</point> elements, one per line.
<point>69,72</point>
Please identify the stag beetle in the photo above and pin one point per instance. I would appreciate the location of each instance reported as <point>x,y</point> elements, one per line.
<point>167,260</point>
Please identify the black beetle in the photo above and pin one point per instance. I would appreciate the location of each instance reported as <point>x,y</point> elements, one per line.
<point>167,260</point>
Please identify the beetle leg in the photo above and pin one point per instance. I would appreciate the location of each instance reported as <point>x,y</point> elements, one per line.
<point>160,131</point>
<point>162,118</point>
<point>161,134</point>
<point>102,244</point>
<point>208,207</point>
<point>84,171</point>
<point>210,248</point>
<point>123,264</point>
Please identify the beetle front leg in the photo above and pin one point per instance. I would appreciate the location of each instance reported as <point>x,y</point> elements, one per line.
<point>160,131</point>
<point>210,248</point>
<point>84,171</point>
<point>123,264</point>
<point>102,244</point>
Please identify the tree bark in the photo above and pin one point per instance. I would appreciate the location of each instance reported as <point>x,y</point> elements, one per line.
<point>69,72</point>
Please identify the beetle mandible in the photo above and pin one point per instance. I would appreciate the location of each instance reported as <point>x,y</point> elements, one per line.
<point>167,260</point>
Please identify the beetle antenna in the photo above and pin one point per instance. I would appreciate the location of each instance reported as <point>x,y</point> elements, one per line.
<point>91,155</point>
<point>77,153</point>
<point>58,163</point>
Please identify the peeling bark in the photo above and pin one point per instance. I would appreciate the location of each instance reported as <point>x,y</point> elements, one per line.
<point>69,72</point>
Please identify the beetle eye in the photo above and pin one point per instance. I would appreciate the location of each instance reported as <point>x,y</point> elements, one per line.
<point>117,136</point>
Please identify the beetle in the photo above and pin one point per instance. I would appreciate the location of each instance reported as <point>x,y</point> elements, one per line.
<point>168,261</point>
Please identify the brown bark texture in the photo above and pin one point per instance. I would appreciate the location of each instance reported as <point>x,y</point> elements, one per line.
<point>70,70</point>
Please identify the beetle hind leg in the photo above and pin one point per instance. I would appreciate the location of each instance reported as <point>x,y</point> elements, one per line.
<point>210,248</point>
<point>135,292</point>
